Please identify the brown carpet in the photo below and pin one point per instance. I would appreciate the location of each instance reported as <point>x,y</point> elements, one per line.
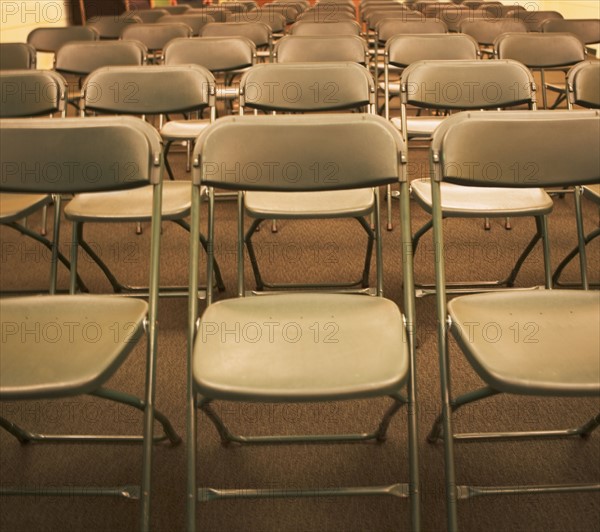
<point>333,251</point>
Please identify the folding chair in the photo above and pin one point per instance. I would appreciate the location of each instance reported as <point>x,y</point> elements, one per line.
<point>583,85</point>
<point>485,32</point>
<point>341,27</point>
<point>319,48</point>
<point>401,50</point>
<point>155,36</point>
<point>148,16</point>
<point>194,21</point>
<point>17,56</point>
<point>227,57</point>
<point>111,27</point>
<point>541,52</point>
<point>51,39</point>
<point>145,90</point>
<point>275,21</point>
<point>32,93</point>
<point>299,88</point>
<point>544,343</point>
<point>62,365</point>
<point>534,19</point>
<point>369,153</point>
<point>258,32</point>
<point>490,85</point>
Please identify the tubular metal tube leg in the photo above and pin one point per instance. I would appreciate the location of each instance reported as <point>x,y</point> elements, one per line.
<point>581,239</point>
<point>55,244</point>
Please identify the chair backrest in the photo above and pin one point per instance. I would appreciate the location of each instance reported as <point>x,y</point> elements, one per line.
<point>149,15</point>
<point>196,22</point>
<point>453,16</point>
<point>217,54</point>
<point>402,50</point>
<point>154,89</point>
<point>156,35</point>
<point>341,27</point>
<point>306,87</point>
<point>51,39</point>
<point>289,10</point>
<point>258,32</point>
<point>111,27</point>
<point>177,10</point>
<point>374,18</point>
<point>467,84</point>
<point>540,50</point>
<point>26,93</point>
<point>16,56</point>
<point>78,155</point>
<point>275,21</point>
<point>498,10</point>
<point>366,149</point>
<point>308,48</point>
<point>84,57</point>
<point>517,142</point>
<point>583,82</point>
<point>219,13</point>
<point>485,32</point>
<point>587,29</point>
<point>534,19</point>
<point>388,27</point>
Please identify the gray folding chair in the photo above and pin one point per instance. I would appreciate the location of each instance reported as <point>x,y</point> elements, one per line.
<point>148,16</point>
<point>194,21</point>
<point>156,35</point>
<point>534,19</point>
<point>373,352</point>
<point>309,48</point>
<point>227,57</point>
<point>258,32</point>
<point>275,21</point>
<point>542,343</point>
<point>471,85</point>
<point>25,94</point>
<point>541,52</point>
<point>63,365</point>
<point>341,27</point>
<point>17,56</point>
<point>314,87</point>
<point>111,27</point>
<point>51,39</point>
<point>583,84</point>
<point>401,50</point>
<point>145,90</point>
<point>177,9</point>
<point>485,32</point>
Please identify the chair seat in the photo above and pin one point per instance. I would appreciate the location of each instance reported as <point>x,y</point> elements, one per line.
<point>592,192</point>
<point>542,342</point>
<point>419,126</point>
<point>16,206</point>
<point>477,202</point>
<point>57,346</point>
<point>183,129</point>
<point>325,204</point>
<point>135,204</point>
<point>300,347</point>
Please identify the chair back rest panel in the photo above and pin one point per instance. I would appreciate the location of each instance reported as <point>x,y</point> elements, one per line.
<point>402,50</point>
<point>587,30</point>
<point>75,155</point>
<point>156,35</point>
<point>306,87</point>
<point>584,84</point>
<point>152,89</point>
<point>217,54</point>
<point>111,27</point>
<point>308,48</point>
<point>196,22</point>
<point>51,39</point>
<point>487,31</point>
<point>373,19</point>
<point>534,19</point>
<point>298,153</point>
<point>258,32</point>
<point>342,27</point>
<point>148,15</point>
<point>26,93</point>
<point>540,50</point>
<point>16,56</point>
<point>389,27</point>
<point>275,21</point>
<point>467,84</point>
<point>85,57</point>
<point>523,149</point>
